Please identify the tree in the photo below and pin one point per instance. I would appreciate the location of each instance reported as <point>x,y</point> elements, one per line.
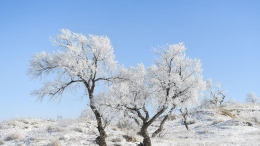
<point>251,97</point>
<point>174,80</point>
<point>216,96</point>
<point>82,62</point>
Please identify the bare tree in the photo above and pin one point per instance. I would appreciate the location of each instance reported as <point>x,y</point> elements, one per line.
<point>251,97</point>
<point>216,96</point>
<point>81,62</point>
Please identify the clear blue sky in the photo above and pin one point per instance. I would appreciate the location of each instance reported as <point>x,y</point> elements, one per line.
<point>224,35</point>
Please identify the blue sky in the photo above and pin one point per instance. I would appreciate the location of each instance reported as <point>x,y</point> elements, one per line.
<point>224,35</point>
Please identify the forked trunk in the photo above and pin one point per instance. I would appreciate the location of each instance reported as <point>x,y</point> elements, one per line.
<point>160,127</point>
<point>101,139</point>
<point>146,137</point>
<point>163,122</point>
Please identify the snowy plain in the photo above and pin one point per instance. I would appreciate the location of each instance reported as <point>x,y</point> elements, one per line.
<point>230,126</point>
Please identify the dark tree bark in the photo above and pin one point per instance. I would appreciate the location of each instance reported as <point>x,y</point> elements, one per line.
<point>185,115</point>
<point>162,123</point>
<point>101,139</point>
<point>146,137</point>
<point>186,125</point>
<point>146,123</point>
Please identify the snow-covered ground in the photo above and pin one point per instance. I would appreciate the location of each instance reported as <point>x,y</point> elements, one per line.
<point>215,127</point>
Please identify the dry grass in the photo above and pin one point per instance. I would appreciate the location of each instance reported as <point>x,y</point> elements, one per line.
<point>225,112</point>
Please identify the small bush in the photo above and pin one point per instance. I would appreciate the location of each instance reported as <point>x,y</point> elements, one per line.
<point>11,137</point>
<point>54,143</point>
<point>216,122</point>
<point>62,138</point>
<point>227,113</point>
<point>116,144</point>
<point>53,129</point>
<point>172,117</point>
<point>114,129</point>
<point>25,127</point>
<point>25,121</point>
<point>204,131</point>
<point>116,139</point>
<point>49,128</point>
<point>129,138</point>
<point>256,120</point>
<point>249,124</point>
<point>2,142</point>
<point>78,130</point>
<point>190,122</point>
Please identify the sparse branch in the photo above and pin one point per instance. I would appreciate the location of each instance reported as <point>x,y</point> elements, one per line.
<point>157,115</point>
<point>146,113</point>
<point>156,132</point>
<point>53,89</point>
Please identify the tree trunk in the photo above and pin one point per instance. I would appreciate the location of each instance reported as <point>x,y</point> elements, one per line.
<point>160,127</point>
<point>186,125</point>
<point>185,114</point>
<point>146,137</point>
<point>162,123</point>
<point>101,139</point>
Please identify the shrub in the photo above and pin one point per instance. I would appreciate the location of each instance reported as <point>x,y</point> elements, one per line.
<point>172,117</point>
<point>116,139</point>
<point>256,120</point>
<point>25,121</point>
<point>129,138</point>
<point>53,129</point>
<point>216,122</point>
<point>1,142</point>
<point>248,124</point>
<point>117,144</point>
<point>227,113</point>
<point>49,128</point>
<point>11,137</point>
<point>190,122</point>
<point>77,129</point>
<point>54,143</point>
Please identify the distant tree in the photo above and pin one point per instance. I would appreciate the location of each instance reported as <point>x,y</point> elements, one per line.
<point>81,62</point>
<point>251,97</point>
<point>174,80</point>
<point>216,96</point>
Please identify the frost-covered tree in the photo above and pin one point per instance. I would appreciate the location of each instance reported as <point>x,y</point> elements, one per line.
<point>82,62</point>
<point>174,80</point>
<point>215,97</point>
<point>251,97</point>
